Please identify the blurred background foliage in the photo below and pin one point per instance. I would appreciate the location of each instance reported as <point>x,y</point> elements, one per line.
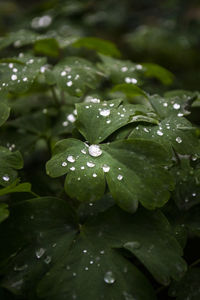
<point>163,32</point>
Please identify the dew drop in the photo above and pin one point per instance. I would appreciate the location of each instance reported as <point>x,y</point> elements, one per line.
<point>176,106</point>
<point>6,178</point>
<point>71,159</point>
<point>65,123</point>
<point>64,164</point>
<point>119,177</point>
<point>106,168</point>
<point>94,175</point>
<point>71,118</point>
<point>94,150</point>
<point>159,132</point>
<point>14,77</point>
<point>83,151</point>
<point>40,252</point>
<point>109,278</point>
<point>165,104</point>
<point>72,168</point>
<point>63,73</point>
<point>69,83</point>
<point>47,260</point>
<point>105,112</point>
<point>90,164</point>
<point>178,140</point>
<point>132,245</point>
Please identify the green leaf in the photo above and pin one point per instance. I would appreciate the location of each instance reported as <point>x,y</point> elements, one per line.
<point>48,46</point>
<point>172,132</point>
<point>9,162</point>
<point>17,77</point>
<point>4,212</point>
<point>76,75</point>
<point>16,188</point>
<point>129,90</point>
<point>4,112</point>
<point>124,165</point>
<point>156,71</point>
<point>18,39</point>
<point>99,45</point>
<point>120,71</point>
<point>96,121</point>
<point>56,250</point>
<point>187,287</point>
<point>171,105</point>
<point>187,191</point>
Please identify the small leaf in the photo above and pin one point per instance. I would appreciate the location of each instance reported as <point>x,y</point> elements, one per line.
<point>156,71</point>
<point>16,188</point>
<point>9,162</point>
<point>99,45</point>
<point>129,90</point>
<point>48,46</point>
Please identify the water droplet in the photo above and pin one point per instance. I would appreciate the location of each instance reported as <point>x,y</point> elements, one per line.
<point>71,159</point>
<point>91,262</point>
<point>176,106</point>
<point>165,104</point>
<point>124,69</point>
<point>63,73</point>
<point>71,118</point>
<point>83,151</point>
<point>65,123</point>
<point>106,168</point>
<point>194,194</point>
<point>90,164</point>
<point>159,132</point>
<point>6,178</point>
<point>108,121</point>
<point>74,274</point>
<point>14,77</point>
<point>178,140</point>
<point>47,260</point>
<point>109,278</point>
<point>94,175</point>
<point>10,65</point>
<point>84,251</point>
<point>119,177</point>
<point>82,168</point>
<point>40,252</point>
<point>64,164</point>
<point>102,252</point>
<point>132,245</point>
<point>105,112</point>
<point>94,150</point>
<point>72,168</point>
<point>69,83</point>
<point>86,268</point>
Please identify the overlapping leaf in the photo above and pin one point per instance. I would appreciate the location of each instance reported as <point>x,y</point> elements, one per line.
<point>17,75</point>
<point>96,121</point>
<point>9,162</point>
<point>125,166</point>
<point>56,251</point>
<point>76,75</point>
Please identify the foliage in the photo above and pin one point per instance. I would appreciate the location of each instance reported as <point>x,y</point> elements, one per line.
<point>100,176</point>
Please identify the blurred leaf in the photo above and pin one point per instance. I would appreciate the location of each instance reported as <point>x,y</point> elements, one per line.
<point>4,212</point>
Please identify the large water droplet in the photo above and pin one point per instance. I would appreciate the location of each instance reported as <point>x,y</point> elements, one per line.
<point>105,112</point>
<point>106,168</point>
<point>6,178</point>
<point>176,106</point>
<point>159,132</point>
<point>90,164</point>
<point>119,177</point>
<point>109,278</point>
<point>178,140</point>
<point>71,159</point>
<point>94,150</point>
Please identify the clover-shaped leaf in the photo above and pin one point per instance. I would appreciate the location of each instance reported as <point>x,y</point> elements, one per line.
<point>96,121</point>
<point>17,75</point>
<point>9,162</point>
<point>124,165</point>
<point>57,250</point>
<point>172,132</point>
<point>75,75</point>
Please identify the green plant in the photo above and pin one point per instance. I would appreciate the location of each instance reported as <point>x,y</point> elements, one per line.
<point>123,203</point>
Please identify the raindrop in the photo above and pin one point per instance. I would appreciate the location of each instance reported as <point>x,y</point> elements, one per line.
<point>65,123</point>
<point>86,268</point>
<point>72,168</point>
<point>90,164</point>
<point>178,140</point>
<point>94,150</point>
<point>14,77</point>
<point>94,175</point>
<point>105,112</point>
<point>109,278</point>
<point>106,168</point>
<point>63,73</point>
<point>84,251</point>
<point>176,106</point>
<point>64,164</point>
<point>25,79</point>
<point>159,132</point>
<point>91,262</point>
<point>124,69</point>
<point>6,178</point>
<point>69,83</point>
<point>165,104</point>
<point>40,252</point>
<point>71,159</point>
<point>194,194</point>
<point>71,118</point>
<point>83,151</point>
<point>108,121</point>
<point>47,260</point>
<point>119,177</point>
